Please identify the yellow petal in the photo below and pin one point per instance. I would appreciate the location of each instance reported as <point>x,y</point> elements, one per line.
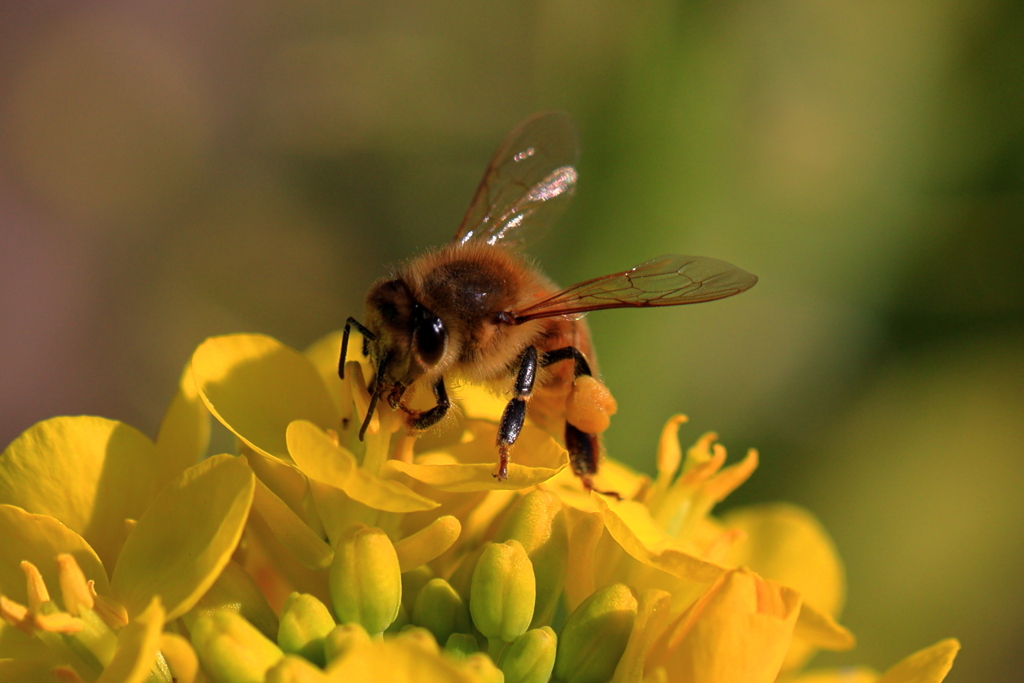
<point>277,569</point>
<point>478,402</point>
<point>288,483</point>
<point>256,386</point>
<point>39,539</point>
<point>738,631</point>
<point>235,590</point>
<point>322,460</point>
<point>403,661</point>
<point>184,432</point>
<point>88,472</point>
<point>290,530</point>
<point>612,476</point>
<point>137,646</point>
<point>16,643</point>
<point>844,675</point>
<point>929,665</point>
<point>787,544</point>
<point>427,543</point>
<point>818,630</point>
<point>324,354</point>
<point>180,657</point>
<point>584,536</point>
<point>185,539</point>
<point>295,669</point>
<point>471,466</point>
<point>635,536</point>
<point>651,619</point>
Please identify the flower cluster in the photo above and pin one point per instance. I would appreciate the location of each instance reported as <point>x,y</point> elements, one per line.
<point>313,556</point>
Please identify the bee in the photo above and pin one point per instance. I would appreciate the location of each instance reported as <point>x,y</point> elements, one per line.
<point>476,310</point>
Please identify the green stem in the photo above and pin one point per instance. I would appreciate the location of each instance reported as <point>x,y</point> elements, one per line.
<point>495,648</point>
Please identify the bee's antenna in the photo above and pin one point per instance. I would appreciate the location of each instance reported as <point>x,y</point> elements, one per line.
<point>377,388</point>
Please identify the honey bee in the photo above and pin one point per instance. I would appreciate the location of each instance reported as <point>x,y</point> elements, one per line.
<point>475,310</point>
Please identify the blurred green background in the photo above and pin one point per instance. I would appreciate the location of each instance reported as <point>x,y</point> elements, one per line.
<point>170,171</point>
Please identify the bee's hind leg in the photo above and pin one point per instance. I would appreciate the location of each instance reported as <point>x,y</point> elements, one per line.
<point>583,454</point>
<point>515,412</point>
<point>584,448</point>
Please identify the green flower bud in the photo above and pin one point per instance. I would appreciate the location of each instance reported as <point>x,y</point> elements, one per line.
<point>305,622</point>
<point>461,645</point>
<point>440,610</point>
<point>595,636</point>
<point>365,580</point>
<point>231,650</point>
<point>400,622</point>
<point>531,657</point>
<point>342,639</point>
<point>482,668</point>
<point>503,591</point>
<point>294,669</point>
<point>538,522</point>
<point>412,581</point>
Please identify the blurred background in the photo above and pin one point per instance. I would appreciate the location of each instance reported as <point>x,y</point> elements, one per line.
<point>171,171</point>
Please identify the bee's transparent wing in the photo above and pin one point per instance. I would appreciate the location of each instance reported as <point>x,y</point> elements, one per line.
<point>664,281</point>
<point>527,185</point>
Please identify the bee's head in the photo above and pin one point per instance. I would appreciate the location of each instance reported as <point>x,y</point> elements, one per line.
<point>412,338</point>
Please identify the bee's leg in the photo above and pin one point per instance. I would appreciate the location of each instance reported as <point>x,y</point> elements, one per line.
<point>367,336</point>
<point>515,412</point>
<point>583,452</point>
<point>584,449</point>
<point>580,364</point>
<point>429,418</point>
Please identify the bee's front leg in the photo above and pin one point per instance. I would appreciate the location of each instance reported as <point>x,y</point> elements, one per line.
<point>515,412</point>
<point>367,336</point>
<point>429,418</point>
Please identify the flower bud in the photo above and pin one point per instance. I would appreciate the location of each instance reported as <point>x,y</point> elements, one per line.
<point>538,522</point>
<point>365,580</point>
<point>293,669</point>
<point>595,636</point>
<point>531,657</point>
<point>420,638</point>
<point>503,591</point>
<point>412,581</point>
<point>231,649</point>
<point>305,622</point>
<point>440,610</point>
<point>400,622</point>
<point>461,645</point>
<point>342,639</point>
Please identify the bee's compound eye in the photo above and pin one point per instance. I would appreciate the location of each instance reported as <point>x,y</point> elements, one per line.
<point>429,339</point>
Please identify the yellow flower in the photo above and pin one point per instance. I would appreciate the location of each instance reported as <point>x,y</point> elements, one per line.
<point>662,537</point>
<point>174,554</point>
<point>399,556</point>
<point>297,423</point>
<point>739,630</point>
